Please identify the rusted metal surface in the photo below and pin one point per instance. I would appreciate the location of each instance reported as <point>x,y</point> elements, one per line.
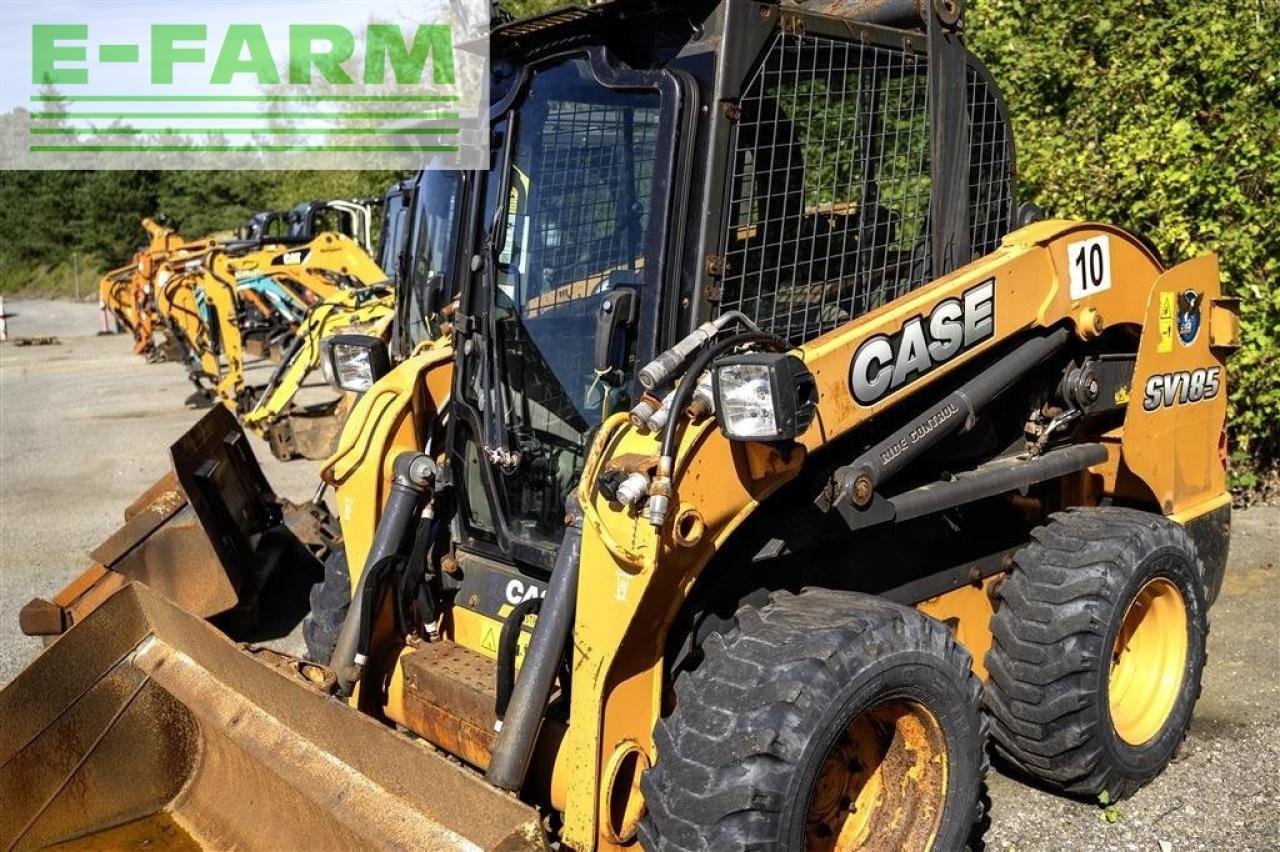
<point>144,720</point>
<point>40,617</point>
<point>314,525</point>
<point>883,12</point>
<point>257,347</point>
<point>449,694</point>
<point>311,675</point>
<point>175,556</point>
<point>309,432</point>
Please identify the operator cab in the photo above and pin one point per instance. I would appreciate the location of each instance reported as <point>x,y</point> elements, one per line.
<point>641,184</point>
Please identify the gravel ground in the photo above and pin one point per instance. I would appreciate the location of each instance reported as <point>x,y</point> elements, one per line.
<point>84,424</point>
<point>85,427</point>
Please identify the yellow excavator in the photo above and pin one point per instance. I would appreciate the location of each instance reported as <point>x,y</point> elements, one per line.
<point>780,466</point>
<point>295,429</point>
<point>298,428</point>
<point>250,297</point>
<point>130,291</point>
<point>115,293</point>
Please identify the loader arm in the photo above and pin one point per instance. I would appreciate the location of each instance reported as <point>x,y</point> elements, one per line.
<point>404,412</point>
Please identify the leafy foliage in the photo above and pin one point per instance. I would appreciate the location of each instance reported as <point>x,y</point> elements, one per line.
<point>1163,117</point>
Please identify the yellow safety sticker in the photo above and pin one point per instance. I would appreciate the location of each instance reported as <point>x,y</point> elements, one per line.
<point>1168,312</point>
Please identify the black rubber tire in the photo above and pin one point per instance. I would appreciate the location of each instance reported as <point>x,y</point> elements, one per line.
<point>756,717</point>
<point>330,600</point>
<point>1059,611</point>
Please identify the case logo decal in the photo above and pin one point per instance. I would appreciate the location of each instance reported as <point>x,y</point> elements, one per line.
<point>885,363</point>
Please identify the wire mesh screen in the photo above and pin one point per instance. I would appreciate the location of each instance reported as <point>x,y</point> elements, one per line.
<point>830,185</point>
<point>590,198</point>
<point>990,167</point>
<point>829,194</point>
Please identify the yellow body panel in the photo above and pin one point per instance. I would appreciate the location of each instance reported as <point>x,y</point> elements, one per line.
<point>632,584</point>
<point>635,579</point>
<point>1170,447</point>
<point>214,274</point>
<point>399,414</point>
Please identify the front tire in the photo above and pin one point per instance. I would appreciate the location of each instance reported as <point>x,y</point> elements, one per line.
<point>821,720</point>
<point>1099,646</point>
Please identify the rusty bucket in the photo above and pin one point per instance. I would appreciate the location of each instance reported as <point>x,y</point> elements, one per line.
<point>144,723</point>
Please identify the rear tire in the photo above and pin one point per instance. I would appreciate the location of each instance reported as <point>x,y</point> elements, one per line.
<point>794,726</point>
<point>1099,646</point>
<point>330,600</point>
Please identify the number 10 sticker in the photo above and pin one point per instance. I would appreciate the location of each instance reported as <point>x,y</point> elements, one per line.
<point>1090,262</point>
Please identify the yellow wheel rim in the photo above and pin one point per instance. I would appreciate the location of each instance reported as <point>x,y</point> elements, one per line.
<point>883,784</point>
<point>1148,662</point>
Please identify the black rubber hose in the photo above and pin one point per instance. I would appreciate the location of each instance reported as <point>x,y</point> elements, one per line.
<point>414,589</point>
<point>508,648</point>
<point>383,568</point>
<point>413,473</point>
<point>689,381</point>
<point>285,359</point>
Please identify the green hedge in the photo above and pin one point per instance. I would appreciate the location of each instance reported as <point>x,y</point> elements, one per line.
<point>1163,117</point>
<point>47,216</point>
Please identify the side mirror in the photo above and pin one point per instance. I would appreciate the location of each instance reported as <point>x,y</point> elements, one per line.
<point>354,362</point>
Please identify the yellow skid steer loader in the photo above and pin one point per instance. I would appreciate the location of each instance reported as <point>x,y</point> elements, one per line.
<point>778,469</point>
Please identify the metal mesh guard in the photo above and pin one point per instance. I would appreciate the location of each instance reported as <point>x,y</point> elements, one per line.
<point>830,186</point>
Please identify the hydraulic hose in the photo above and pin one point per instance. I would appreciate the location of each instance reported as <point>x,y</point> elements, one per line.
<point>663,367</point>
<point>514,746</point>
<point>508,650</point>
<point>689,381</point>
<point>413,474</point>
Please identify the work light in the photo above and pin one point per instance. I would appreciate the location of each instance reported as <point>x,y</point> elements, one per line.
<point>763,396</point>
<point>353,362</point>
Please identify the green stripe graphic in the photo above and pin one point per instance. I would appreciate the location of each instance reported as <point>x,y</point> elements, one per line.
<point>236,149</point>
<point>425,115</point>
<point>265,131</point>
<point>247,98</point>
